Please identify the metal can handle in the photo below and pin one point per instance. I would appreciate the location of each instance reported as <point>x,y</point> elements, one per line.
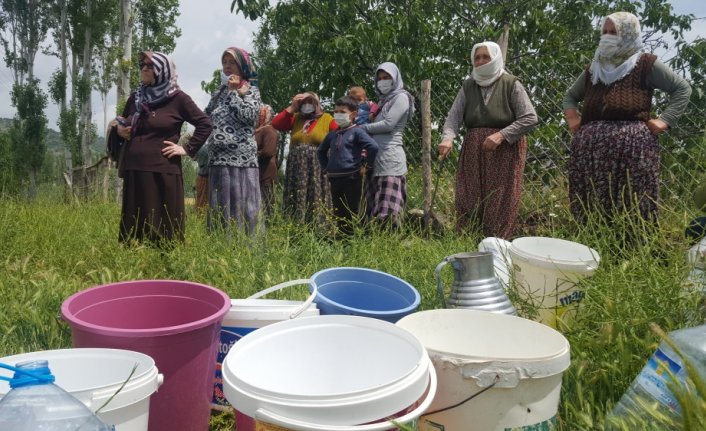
<point>439,284</point>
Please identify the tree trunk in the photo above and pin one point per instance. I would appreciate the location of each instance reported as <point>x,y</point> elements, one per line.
<point>85,122</point>
<point>425,102</point>
<point>125,61</point>
<point>503,40</point>
<point>68,160</point>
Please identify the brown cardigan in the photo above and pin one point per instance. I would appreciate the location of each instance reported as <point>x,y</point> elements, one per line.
<point>267,138</point>
<point>144,151</point>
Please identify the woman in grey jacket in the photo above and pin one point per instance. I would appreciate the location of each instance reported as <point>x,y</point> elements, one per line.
<point>386,190</point>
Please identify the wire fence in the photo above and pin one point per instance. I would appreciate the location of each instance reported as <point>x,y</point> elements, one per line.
<point>545,195</point>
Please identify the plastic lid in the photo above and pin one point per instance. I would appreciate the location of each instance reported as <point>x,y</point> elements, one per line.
<point>29,373</point>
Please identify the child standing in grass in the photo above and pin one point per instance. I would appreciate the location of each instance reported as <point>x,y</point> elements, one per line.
<point>340,157</point>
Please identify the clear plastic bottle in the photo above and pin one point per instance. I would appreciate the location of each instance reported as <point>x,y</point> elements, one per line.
<point>649,399</point>
<point>35,403</point>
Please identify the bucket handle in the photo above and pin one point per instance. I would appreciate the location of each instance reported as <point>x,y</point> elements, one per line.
<point>283,421</point>
<point>439,284</point>
<point>286,284</point>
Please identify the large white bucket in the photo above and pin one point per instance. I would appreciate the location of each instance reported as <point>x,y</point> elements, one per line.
<point>509,367</point>
<point>546,271</point>
<point>95,375</point>
<point>247,315</point>
<point>335,372</point>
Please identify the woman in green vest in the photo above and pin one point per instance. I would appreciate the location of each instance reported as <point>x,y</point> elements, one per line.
<point>497,113</point>
<point>307,197</point>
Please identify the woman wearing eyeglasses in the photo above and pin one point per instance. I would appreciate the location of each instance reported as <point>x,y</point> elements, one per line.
<point>150,163</point>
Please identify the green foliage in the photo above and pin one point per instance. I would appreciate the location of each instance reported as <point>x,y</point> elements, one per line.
<point>29,129</point>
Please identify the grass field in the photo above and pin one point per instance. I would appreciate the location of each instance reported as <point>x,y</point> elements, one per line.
<point>49,250</point>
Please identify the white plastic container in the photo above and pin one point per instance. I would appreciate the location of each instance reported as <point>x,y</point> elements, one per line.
<point>348,373</point>
<point>546,270</point>
<point>501,257</point>
<point>247,315</point>
<point>512,365</point>
<point>94,376</point>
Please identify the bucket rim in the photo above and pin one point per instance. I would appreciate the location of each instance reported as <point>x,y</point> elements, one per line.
<point>517,251</point>
<point>77,323</point>
<point>140,386</point>
<point>413,306</point>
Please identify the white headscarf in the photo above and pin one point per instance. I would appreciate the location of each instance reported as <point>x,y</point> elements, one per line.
<point>617,55</point>
<point>397,88</point>
<point>488,73</point>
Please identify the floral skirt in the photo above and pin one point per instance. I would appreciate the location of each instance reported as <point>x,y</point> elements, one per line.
<point>614,167</point>
<point>307,194</point>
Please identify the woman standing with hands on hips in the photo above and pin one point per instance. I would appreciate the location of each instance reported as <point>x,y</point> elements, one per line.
<point>150,163</point>
<point>307,195</point>
<point>386,191</point>
<point>614,157</point>
<point>497,113</point>
<point>233,174</point>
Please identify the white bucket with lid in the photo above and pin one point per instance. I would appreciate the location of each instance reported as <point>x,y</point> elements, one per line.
<point>334,372</point>
<point>249,314</point>
<point>546,271</point>
<point>95,375</point>
<point>509,367</point>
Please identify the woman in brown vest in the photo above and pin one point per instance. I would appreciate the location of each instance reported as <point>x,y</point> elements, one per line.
<point>497,113</point>
<point>615,158</point>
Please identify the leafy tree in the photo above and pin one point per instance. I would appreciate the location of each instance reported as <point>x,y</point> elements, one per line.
<point>29,131</point>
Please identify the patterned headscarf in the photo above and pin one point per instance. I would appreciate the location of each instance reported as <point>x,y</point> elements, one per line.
<point>264,118</point>
<point>397,88</point>
<point>490,72</point>
<point>164,87</point>
<point>617,55</point>
<point>242,58</point>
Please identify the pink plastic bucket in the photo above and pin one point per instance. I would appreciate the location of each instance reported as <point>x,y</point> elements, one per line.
<point>177,323</point>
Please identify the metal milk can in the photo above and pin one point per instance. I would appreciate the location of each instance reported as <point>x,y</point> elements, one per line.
<point>475,285</point>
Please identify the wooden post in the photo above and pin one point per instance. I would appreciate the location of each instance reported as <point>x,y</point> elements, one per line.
<point>426,150</point>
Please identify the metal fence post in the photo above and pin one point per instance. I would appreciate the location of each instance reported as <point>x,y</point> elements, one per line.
<point>426,149</point>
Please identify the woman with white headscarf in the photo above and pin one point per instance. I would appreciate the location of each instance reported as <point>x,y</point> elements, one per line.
<point>150,161</point>
<point>615,158</point>
<point>386,191</point>
<point>497,113</point>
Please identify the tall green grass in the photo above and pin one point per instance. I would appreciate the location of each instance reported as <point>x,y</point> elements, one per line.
<point>50,250</point>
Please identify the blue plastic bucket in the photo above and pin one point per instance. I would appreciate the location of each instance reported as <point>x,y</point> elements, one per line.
<point>364,292</point>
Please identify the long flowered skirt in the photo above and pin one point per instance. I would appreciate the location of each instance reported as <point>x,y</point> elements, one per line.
<point>153,207</point>
<point>489,184</point>
<point>234,198</point>
<point>614,167</point>
<point>385,197</point>
<point>307,194</point>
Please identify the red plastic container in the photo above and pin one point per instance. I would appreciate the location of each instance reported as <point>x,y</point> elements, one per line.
<point>177,323</point>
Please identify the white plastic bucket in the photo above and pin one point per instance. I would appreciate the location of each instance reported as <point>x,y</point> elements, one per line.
<point>247,315</point>
<point>95,375</point>
<point>546,271</point>
<point>335,372</point>
<point>502,262</point>
<point>512,365</point>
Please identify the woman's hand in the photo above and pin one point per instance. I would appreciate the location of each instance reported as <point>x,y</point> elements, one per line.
<point>445,148</point>
<point>244,88</point>
<point>296,100</point>
<point>656,126</point>
<point>171,149</point>
<point>573,120</point>
<point>233,82</point>
<point>493,141</point>
<point>124,132</point>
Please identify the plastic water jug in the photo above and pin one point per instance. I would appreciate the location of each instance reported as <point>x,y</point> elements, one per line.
<point>475,285</point>
<point>650,388</point>
<point>36,403</point>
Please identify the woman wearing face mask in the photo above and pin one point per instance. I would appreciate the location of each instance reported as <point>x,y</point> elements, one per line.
<point>497,113</point>
<point>614,156</point>
<point>386,191</point>
<point>150,163</point>
<point>233,174</point>
<point>307,195</point>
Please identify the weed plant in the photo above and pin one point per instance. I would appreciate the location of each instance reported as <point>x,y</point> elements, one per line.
<point>50,250</point>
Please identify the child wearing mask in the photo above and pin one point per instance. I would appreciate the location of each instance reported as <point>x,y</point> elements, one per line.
<point>366,108</point>
<point>340,157</point>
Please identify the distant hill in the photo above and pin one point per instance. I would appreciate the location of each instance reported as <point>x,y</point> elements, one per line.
<point>54,142</point>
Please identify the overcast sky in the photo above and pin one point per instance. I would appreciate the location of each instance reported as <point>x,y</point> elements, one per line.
<point>207,29</point>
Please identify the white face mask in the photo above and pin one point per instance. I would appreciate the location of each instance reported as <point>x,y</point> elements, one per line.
<point>342,119</point>
<point>385,86</point>
<point>608,45</point>
<point>307,109</point>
